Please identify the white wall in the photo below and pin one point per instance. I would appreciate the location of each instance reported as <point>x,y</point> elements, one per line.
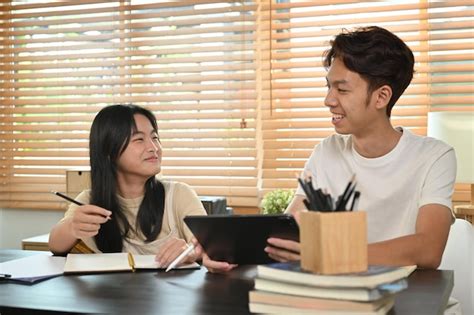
<point>16,225</point>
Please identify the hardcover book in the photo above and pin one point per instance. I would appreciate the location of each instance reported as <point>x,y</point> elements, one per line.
<point>354,294</point>
<point>278,309</point>
<point>317,304</point>
<point>291,272</point>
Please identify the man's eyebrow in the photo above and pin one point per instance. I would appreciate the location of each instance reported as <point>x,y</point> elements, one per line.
<point>337,82</point>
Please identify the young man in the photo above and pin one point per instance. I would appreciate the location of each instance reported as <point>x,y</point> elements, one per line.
<point>406,181</point>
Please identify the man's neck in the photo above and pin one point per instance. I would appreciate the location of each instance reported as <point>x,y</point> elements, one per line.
<point>378,142</point>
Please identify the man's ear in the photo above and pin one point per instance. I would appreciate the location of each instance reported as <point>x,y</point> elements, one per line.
<point>383,96</point>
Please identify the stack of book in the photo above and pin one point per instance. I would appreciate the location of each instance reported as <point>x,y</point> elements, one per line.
<point>283,288</point>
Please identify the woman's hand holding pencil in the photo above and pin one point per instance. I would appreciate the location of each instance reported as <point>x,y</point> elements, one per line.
<point>86,219</point>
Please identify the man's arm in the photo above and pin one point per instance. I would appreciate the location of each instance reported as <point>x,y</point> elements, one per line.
<point>295,205</point>
<point>424,248</point>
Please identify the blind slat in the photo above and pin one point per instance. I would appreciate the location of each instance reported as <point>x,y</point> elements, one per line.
<point>238,87</point>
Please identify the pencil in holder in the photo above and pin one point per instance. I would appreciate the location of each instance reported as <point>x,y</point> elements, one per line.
<point>333,242</point>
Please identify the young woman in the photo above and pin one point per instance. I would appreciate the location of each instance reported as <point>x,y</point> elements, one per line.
<point>127,208</point>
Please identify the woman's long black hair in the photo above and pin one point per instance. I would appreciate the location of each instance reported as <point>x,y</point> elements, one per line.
<point>109,137</point>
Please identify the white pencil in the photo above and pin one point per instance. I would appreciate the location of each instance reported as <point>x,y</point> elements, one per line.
<point>180,257</point>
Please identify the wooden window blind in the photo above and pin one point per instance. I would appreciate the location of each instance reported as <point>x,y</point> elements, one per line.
<point>450,60</point>
<point>294,118</point>
<point>237,86</point>
<point>190,62</point>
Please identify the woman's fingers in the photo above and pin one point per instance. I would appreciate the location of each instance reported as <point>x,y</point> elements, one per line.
<point>82,230</point>
<point>216,266</point>
<point>211,265</point>
<point>89,227</point>
<point>170,250</point>
<point>87,219</point>
<point>198,250</point>
<point>92,214</point>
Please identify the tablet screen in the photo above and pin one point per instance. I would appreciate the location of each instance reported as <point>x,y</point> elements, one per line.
<point>240,239</point>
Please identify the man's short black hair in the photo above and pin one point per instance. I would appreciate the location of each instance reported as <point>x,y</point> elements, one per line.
<point>378,56</point>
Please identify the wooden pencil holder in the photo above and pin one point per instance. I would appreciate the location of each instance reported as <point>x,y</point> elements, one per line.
<point>333,242</point>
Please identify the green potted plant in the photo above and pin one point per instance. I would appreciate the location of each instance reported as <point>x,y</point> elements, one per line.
<point>276,201</point>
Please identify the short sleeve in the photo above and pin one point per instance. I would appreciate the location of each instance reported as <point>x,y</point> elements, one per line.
<point>186,202</point>
<point>309,169</point>
<point>439,184</point>
<point>83,197</point>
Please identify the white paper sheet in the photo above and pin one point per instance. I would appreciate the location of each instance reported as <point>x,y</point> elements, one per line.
<point>33,268</point>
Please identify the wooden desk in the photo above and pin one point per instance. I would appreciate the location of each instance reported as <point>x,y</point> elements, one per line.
<point>182,292</point>
<point>39,242</point>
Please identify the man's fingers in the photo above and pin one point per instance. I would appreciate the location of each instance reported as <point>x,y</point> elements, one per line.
<point>285,244</point>
<point>281,255</point>
<point>277,258</point>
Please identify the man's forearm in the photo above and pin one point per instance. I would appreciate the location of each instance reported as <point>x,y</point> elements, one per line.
<point>412,249</point>
<point>295,205</point>
<point>424,248</point>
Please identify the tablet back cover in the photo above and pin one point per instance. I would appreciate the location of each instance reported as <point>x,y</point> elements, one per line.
<point>241,239</point>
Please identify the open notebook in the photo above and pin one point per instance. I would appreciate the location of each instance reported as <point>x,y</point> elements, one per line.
<point>111,262</point>
<point>42,266</point>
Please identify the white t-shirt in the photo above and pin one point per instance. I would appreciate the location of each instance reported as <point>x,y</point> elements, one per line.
<point>417,172</point>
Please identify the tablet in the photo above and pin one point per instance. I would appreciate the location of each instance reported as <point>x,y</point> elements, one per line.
<point>241,239</point>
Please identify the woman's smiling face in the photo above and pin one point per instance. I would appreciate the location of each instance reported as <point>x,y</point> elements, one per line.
<point>142,156</point>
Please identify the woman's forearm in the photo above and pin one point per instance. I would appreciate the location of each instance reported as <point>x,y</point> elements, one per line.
<point>61,239</point>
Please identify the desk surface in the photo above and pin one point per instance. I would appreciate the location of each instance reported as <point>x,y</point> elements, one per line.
<point>182,292</point>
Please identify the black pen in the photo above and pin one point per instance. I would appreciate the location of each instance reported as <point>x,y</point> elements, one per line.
<point>347,197</point>
<point>67,198</point>
<point>329,201</point>
<point>355,200</point>
<point>308,194</point>
<point>307,205</point>
<point>342,197</point>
